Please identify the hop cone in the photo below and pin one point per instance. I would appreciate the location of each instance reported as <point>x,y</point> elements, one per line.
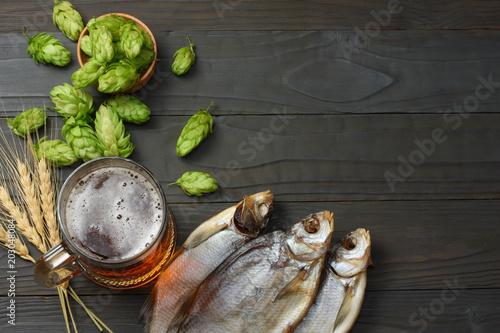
<point>102,43</point>
<point>119,76</point>
<point>48,50</point>
<point>183,59</point>
<point>197,183</point>
<point>113,22</point>
<point>81,137</point>
<point>88,74</point>
<point>132,39</point>
<point>67,19</point>
<point>86,45</point>
<point>198,127</point>
<point>56,152</point>
<point>129,108</point>
<point>143,60</point>
<point>71,102</point>
<point>148,42</point>
<point>28,121</point>
<point>111,134</point>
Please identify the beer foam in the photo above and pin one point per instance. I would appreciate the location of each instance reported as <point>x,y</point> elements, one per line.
<point>113,213</point>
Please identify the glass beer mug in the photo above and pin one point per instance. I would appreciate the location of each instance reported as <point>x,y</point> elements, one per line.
<point>115,226</point>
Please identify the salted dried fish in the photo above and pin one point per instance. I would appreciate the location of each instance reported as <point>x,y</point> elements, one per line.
<point>266,286</point>
<point>206,247</point>
<point>342,286</point>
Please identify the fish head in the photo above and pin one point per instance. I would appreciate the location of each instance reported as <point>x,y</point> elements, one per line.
<point>352,254</point>
<point>253,213</point>
<point>309,238</point>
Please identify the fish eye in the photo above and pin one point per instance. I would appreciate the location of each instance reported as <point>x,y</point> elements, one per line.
<point>349,243</point>
<point>311,225</point>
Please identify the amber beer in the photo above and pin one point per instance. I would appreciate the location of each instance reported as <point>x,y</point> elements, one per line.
<point>116,227</point>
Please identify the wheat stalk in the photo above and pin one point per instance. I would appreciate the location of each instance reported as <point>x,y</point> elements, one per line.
<point>23,224</point>
<point>47,199</point>
<point>19,247</point>
<point>32,201</point>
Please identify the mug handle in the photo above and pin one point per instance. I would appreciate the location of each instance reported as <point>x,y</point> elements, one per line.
<point>55,267</point>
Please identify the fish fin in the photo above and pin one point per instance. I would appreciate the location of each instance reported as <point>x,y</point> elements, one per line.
<point>293,284</point>
<point>204,232</point>
<point>182,313</point>
<point>351,306</point>
<point>146,313</point>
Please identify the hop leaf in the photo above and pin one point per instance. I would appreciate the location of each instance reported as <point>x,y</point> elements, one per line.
<point>198,127</point>
<point>47,50</point>
<point>88,74</point>
<point>129,108</point>
<point>102,42</point>
<point>81,137</point>
<point>119,76</point>
<point>71,102</point>
<point>112,136</point>
<point>132,39</point>
<point>197,183</point>
<point>183,59</point>
<point>28,121</point>
<point>56,152</point>
<point>67,19</point>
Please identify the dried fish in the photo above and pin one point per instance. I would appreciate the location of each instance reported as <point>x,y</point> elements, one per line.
<point>206,247</point>
<point>266,286</point>
<point>342,287</point>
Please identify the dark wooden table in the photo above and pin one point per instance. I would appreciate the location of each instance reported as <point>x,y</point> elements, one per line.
<point>386,113</point>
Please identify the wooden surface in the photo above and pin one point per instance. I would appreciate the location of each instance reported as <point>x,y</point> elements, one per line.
<point>395,129</point>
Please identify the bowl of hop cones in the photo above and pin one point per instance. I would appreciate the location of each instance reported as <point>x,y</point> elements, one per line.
<point>117,54</point>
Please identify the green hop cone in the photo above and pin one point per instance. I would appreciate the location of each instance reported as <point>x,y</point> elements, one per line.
<point>88,74</point>
<point>143,60</point>
<point>28,121</point>
<point>67,19</point>
<point>102,43</point>
<point>86,45</point>
<point>129,108</point>
<point>198,127</point>
<point>183,59</point>
<point>118,77</point>
<point>132,39</point>
<point>81,137</point>
<point>112,136</point>
<point>47,50</point>
<point>197,183</point>
<point>148,42</point>
<point>56,152</point>
<point>72,102</point>
<point>113,22</point>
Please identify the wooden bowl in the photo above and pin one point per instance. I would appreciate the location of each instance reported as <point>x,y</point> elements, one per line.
<point>146,75</point>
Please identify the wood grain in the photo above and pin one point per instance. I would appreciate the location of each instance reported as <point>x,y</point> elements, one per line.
<point>417,245</point>
<point>390,312</point>
<point>271,15</point>
<point>317,72</point>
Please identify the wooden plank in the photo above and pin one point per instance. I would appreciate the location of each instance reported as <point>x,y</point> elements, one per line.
<point>448,309</point>
<point>274,15</point>
<point>417,245</point>
<point>349,157</point>
<point>320,72</point>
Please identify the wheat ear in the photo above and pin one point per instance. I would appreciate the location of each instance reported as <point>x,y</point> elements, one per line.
<point>32,200</point>
<point>21,219</point>
<point>47,199</point>
<point>19,247</point>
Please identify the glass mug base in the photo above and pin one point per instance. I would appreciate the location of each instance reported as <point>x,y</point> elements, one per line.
<point>115,225</point>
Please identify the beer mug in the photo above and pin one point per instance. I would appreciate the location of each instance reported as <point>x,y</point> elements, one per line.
<point>115,225</point>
